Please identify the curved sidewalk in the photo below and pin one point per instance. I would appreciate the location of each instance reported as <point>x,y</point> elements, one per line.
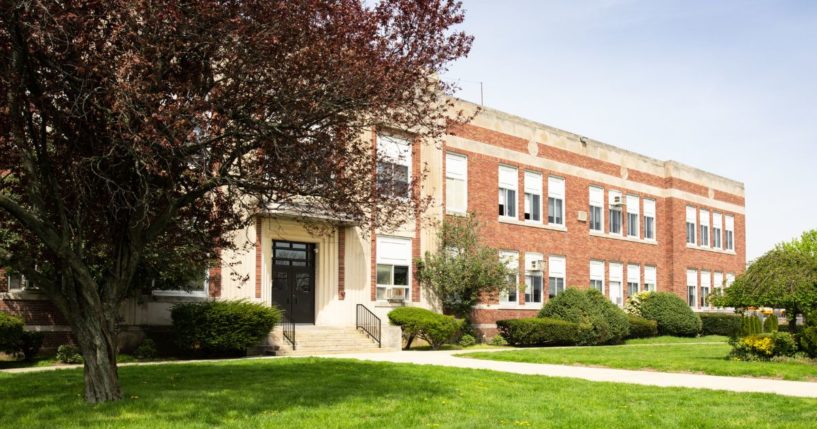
<point>650,378</point>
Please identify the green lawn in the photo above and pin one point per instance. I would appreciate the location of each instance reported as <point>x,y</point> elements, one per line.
<point>662,354</point>
<point>329,393</point>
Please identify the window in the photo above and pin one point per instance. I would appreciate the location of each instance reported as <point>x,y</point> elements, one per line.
<point>597,275</point>
<point>632,216</point>
<point>456,183</point>
<point>616,277</point>
<point>692,288</point>
<point>18,282</point>
<point>596,209</point>
<point>633,279</point>
<point>691,224</point>
<point>196,288</point>
<point>511,260</point>
<point>718,280</point>
<point>650,279</point>
<point>507,191</point>
<point>717,224</point>
<point>730,233</point>
<point>533,278</point>
<point>556,275</point>
<point>615,212</point>
<point>533,197</point>
<point>393,273</point>
<point>649,219</point>
<point>393,166</point>
<point>704,228</point>
<point>556,199</point>
<point>706,284</point>
<point>730,278</point>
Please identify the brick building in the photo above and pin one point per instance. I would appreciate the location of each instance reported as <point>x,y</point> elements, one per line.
<point>564,211</point>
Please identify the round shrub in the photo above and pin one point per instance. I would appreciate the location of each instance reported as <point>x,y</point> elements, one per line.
<point>641,327</point>
<point>673,315</point>
<point>146,350</point>
<point>541,331</point>
<point>608,323</point>
<point>467,340</point>
<point>727,324</point>
<point>67,353</point>
<point>11,333</point>
<point>221,328</point>
<point>435,328</point>
<point>808,341</point>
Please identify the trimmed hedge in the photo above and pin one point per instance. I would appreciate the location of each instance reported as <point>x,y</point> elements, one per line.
<point>589,307</point>
<point>673,315</point>
<point>727,324</point>
<point>763,346</point>
<point>435,328</point>
<point>11,333</point>
<point>541,331</point>
<point>641,327</point>
<point>221,328</point>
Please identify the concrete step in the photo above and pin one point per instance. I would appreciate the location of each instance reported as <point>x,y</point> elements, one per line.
<point>315,340</point>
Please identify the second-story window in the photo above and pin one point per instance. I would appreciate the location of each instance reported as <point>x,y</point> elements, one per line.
<point>633,211</point>
<point>556,200</point>
<point>393,166</point>
<point>730,233</point>
<point>596,209</point>
<point>533,196</point>
<point>508,180</point>
<point>691,216</point>
<point>456,183</point>
<point>705,228</point>
<point>615,212</point>
<point>649,219</point>
<point>717,224</point>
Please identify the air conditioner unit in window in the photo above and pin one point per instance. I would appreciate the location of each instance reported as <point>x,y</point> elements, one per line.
<point>396,295</point>
<point>537,265</point>
<point>617,201</point>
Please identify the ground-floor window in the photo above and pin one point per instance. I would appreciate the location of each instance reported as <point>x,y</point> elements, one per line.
<point>534,283</point>
<point>393,263</point>
<point>616,279</point>
<point>650,279</point>
<point>597,275</point>
<point>556,275</point>
<point>511,260</point>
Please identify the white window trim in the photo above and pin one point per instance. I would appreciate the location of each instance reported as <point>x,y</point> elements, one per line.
<point>515,188</point>
<point>534,191</point>
<point>464,179</point>
<point>396,261</point>
<point>555,261</point>
<point>529,257</point>
<point>597,276</point>
<point>611,196</point>
<point>649,202</point>
<point>399,154</point>
<point>654,276</point>
<point>511,260</point>
<point>553,193</point>
<point>599,204</point>
<point>694,223</point>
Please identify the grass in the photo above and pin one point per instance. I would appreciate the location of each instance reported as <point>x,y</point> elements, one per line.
<point>45,361</point>
<point>673,355</point>
<point>330,393</point>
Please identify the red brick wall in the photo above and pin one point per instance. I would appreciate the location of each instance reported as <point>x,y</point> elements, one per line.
<point>34,312</point>
<point>4,286</point>
<point>670,256</point>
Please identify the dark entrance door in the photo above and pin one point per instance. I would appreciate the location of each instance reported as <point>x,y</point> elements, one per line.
<point>293,280</point>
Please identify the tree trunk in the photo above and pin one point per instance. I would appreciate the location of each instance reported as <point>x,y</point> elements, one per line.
<point>98,345</point>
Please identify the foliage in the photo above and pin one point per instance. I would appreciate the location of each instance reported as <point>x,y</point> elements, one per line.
<point>467,340</point>
<point>632,305</point>
<point>462,268</point>
<point>146,350</point>
<point>589,307</point>
<point>770,323</point>
<point>11,332</point>
<point>784,277</point>
<point>498,340</point>
<point>436,329</point>
<point>726,324</point>
<point>763,346</point>
<point>67,353</point>
<point>137,132</point>
<point>30,343</point>
<point>542,331</point>
<point>808,341</point>
<point>751,326</point>
<point>673,315</point>
<point>216,328</point>
<point>641,327</point>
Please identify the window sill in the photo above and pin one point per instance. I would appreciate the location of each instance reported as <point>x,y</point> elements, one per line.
<point>178,294</point>
<point>30,295</point>
<point>512,221</point>
<point>509,306</point>
<point>622,238</point>
<point>711,249</point>
<point>456,213</point>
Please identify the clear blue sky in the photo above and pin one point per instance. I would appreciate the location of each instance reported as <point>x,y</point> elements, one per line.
<point>726,86</point>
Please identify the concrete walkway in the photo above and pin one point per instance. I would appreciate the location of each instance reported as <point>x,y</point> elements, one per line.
<point>649,378</point>
<point>447,358</point>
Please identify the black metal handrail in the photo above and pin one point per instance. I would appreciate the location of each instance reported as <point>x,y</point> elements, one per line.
<point>369,323</point>
<point>289,329</point>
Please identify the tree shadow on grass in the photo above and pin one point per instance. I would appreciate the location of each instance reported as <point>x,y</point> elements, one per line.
<point>213,394</point>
